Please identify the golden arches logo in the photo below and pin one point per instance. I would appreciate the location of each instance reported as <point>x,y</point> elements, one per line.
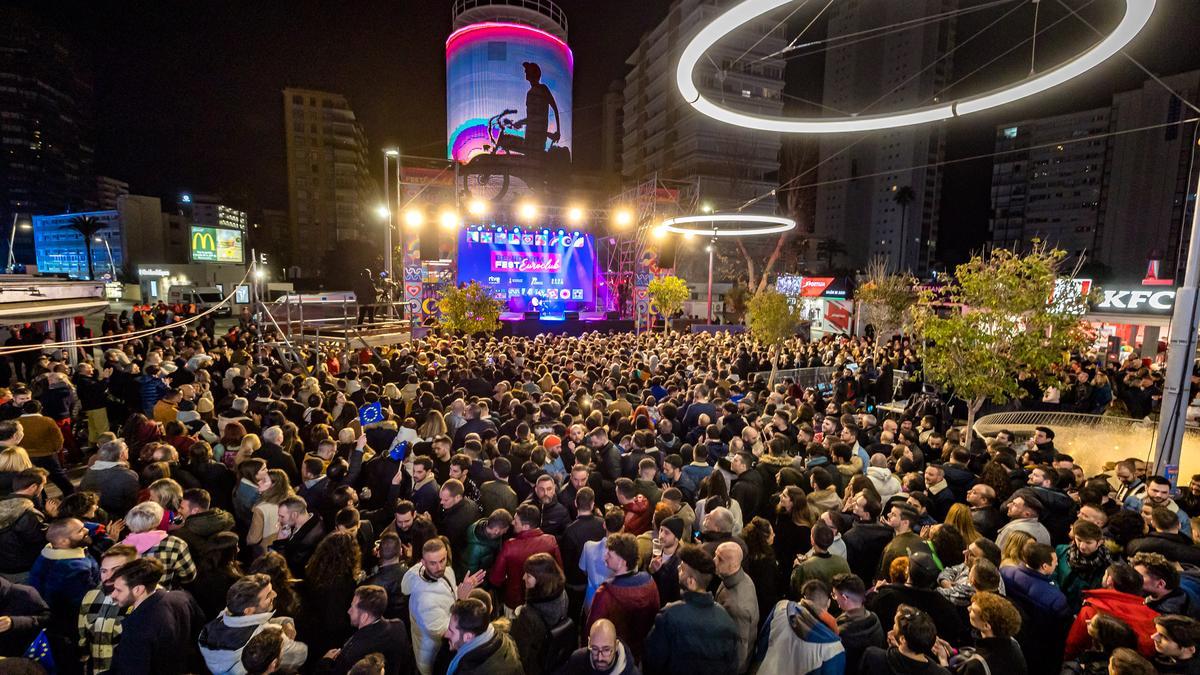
<point>204,241</point>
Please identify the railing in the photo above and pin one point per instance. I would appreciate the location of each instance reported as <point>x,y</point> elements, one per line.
<point>805,377</point>
<point>544,7</point>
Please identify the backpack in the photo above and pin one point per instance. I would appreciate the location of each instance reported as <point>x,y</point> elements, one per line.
<point>559,646</point>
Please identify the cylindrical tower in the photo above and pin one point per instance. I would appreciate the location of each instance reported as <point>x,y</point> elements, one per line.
<point>485,72</point>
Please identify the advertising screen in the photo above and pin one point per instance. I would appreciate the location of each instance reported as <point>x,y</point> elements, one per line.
<point>530,269</point>
<point>219,245</point>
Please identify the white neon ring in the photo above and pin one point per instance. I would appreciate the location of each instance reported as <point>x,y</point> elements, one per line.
<point>1137,14</point>
<point>777,224</point>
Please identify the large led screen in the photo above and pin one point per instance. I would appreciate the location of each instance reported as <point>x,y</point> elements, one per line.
<point>217,244</point>
<point>486,75</point>
<point>530,269</point>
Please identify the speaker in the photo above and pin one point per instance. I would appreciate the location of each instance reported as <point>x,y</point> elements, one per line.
<point>532,315</point>
<point>571,316</point>
<point>430,240</point>
<point>613,315</point>
<point>666,251</point>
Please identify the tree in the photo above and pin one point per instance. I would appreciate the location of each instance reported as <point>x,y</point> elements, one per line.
<point>469,310</point>
<point>669,293</point>
<point>886,299</point>
<point>903,197</point>
<point>87,227</point>
<point>830,249</point>
<point>1003,326</point>
<point>772,320</point>
<point>735,301</point>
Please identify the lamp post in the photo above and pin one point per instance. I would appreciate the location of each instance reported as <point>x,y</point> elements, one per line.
<point>387,240</point>
<point>12,237</point>
<point>712,247</point>
<point>112,267</point>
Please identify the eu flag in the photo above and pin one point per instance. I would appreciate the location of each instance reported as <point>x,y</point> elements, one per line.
<point>370,414</point>
<point>39,651</point>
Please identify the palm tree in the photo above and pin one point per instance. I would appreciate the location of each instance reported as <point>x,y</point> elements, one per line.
<point>904,196</point>
<point>87,226</point>
<point>830,249</point>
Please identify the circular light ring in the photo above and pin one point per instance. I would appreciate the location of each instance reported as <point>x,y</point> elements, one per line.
<point>1137,14</point>
<point>773,225</point>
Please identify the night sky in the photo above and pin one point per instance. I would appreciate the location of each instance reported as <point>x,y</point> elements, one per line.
<point>188,93</point>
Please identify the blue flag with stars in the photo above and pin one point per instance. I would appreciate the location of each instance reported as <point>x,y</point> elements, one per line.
<point>39,651</point>
<point>370,414</point>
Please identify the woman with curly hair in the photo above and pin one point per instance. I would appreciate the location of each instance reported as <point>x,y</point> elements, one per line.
<point>330,578</point>
<point>274,565</point>
<point>998,622</point>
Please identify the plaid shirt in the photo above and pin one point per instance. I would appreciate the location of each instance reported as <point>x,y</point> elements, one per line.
<point>173,553</point>
<point>99,627</point>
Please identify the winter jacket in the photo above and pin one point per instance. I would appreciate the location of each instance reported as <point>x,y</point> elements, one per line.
<point>495,494</point>
<point>530,630</point>
<point>748,490</point>
<point>22,534</point>
<point>880,661</point>
<point>276,458</point>
<point>223,639</point>
<point>737,595</point>
<point>585,528</point>
<point>151,390</point>
<point>1173,545</point>
<point>492,653</point>
<point>1001,654</point>
<point>481,549</point>
<point>638,515</point>
<point>454,522</point>
<point>384,637</point>
<point>429,602</point>
<point>1125,606</point>
<point>506,572</point>
<point>580,663</point>
<point>555,516</point>
<point>856,634</point>
<point>166,623</point>
<point>794,640</point>
<point>1037,589</point>
<point>1073,582</point>
<point>116,484</point>
<point>889,597</point>
<point>62,577</point>
<point>29,614</point>
<point>865,543</point>
<point>630,601</point>
<point>885,482</point>
<point>694,635</point>
<point>199,529</point>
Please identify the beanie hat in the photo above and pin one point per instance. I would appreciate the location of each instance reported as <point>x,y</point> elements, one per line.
<point>551,441</point>
<point>675,525</point>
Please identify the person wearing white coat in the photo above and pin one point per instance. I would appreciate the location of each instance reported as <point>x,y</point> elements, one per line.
<point>432,588</point>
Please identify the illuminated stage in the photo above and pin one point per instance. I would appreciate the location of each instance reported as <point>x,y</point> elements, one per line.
<point>569,323</point>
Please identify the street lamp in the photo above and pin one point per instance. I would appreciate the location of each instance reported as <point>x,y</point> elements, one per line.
<point>12,237</point>
<point>112,267</point>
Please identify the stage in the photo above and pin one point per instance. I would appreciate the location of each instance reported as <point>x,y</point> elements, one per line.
<point>516,324</point>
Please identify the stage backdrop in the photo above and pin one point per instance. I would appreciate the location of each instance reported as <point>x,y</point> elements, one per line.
<point>530,269</point>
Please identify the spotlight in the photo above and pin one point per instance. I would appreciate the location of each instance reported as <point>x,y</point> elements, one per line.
<point>477,207</point>
<point>623,217</point>
<point>706,207</point>
<point>527,211</point>
<point>414,218</point>
<point>449,219</point>
<point>382,211</point>
<point>575,215</point>
<point>660,232</point>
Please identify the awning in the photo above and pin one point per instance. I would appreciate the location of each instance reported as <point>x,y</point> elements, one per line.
<point>49,310</point>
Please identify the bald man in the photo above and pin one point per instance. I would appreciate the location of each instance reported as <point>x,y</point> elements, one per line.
<point>604,654</point>
<point>739,597</point>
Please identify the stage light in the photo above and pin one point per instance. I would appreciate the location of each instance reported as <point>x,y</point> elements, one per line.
<point>575,215</point>
<point>1136,15</point>
<point>382,211</point>
<point>623,217</point>
<point>660,232</point>
<point>477,207</point>
<point>527,211</point>
<point>561,232</point>
<point>706,208</point>
<point>449,219</point>
<point>414,217</point>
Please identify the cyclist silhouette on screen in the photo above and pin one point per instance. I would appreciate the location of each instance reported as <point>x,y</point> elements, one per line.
<point>538,103</point>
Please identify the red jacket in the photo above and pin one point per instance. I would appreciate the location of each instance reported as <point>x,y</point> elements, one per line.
<point>630,601</point>
<point>638,515</point>
<point>510,563</point>
<point>1127,607</point>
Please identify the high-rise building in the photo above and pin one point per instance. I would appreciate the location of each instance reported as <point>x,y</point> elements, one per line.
<point>1124,199</point>
<point>869,199</point>
<point>665,135</point>
<point>47,125</point>
<point>211,211</point>
<point>109,190</point>
<point>1150,179</point>
<point>329,183</point>
<point>1045,189</point>
<point>612,128</point>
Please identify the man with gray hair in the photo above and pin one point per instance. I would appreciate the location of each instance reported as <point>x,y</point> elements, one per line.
<point>717,529</point>
<point>273,454</point>
<point>111,478</point>
<point>738,596</point>
<point>143,522</point>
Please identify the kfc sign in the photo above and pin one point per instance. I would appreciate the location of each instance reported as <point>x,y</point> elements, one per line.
<point>1136,301</point>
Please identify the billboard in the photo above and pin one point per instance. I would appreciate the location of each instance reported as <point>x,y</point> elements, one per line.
<point>218,245</point>
<point>530,270</point>
<point>486,74</point>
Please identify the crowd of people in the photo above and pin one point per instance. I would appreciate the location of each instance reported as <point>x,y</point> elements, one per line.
<point>604,504</point>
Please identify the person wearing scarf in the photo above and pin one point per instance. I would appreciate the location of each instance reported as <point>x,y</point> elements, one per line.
<point>1081,564</point>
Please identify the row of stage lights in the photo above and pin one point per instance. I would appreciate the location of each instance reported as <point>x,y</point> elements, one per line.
<point>526,211</point>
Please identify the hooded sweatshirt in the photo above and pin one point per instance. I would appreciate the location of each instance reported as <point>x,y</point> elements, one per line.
<point>857,633</point>
<point>885,482</point>
<point>223,639</point>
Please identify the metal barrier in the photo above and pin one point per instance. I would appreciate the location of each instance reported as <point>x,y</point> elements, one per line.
<point>805,377</point>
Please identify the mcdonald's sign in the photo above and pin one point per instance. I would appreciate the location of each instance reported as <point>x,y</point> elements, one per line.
<point>215,244</point>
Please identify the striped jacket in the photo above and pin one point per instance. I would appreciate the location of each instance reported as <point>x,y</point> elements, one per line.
<point>99,627</point>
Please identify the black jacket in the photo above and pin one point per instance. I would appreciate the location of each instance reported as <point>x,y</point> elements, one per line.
<point>453,523</point>
<point>747,489</point>
<point>858,634</point>
<point>580,663</point>
<point>387,637</point>
<point>389,577</point>
<point>276,458</point>
<point>1173,545</point>
<point>988,521</point>
<point>299,547</point>
<point>29,614</point>
<point>889,597</point>
<point>167,624</point>
<point>218,480</point>
<point>879,661</point>
<point>579,532</point>
<point>864,547</point>
<point>22,534</point>
<point>1003,655</point>
<point>555,516</point>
